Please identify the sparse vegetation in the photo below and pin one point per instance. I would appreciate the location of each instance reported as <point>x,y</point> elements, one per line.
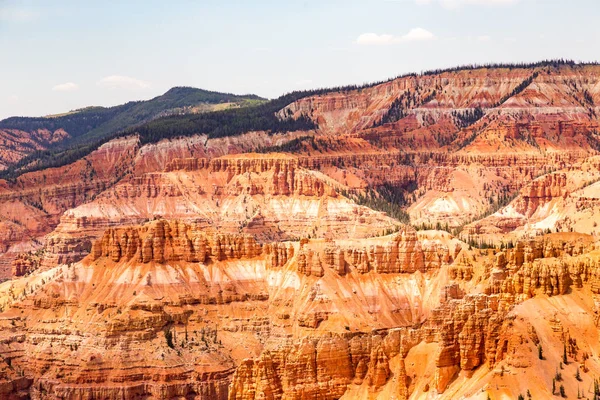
<point>407,100</point>
<point>387,198</point>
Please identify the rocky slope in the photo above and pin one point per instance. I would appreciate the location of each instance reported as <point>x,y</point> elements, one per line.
<point>284,265</point>
<point>16,144</point>
<point>160,310</point>
<point>268,196</point>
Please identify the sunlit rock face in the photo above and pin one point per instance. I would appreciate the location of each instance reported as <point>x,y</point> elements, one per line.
<point>434,237</point>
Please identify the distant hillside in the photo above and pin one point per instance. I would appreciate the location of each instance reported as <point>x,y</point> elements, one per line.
<point>169,116</point>
<point>178,100</point>
<point>251,114</point>
<point>91,124</point>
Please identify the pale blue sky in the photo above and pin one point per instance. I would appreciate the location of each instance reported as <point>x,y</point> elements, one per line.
<point>60,55</point>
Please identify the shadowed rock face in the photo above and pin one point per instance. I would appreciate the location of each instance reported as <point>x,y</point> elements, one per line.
<point>192,268</point>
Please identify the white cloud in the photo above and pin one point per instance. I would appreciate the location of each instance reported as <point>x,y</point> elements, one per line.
<point>14,14</point>
<point>460,3</point>
<point>66,87</point>
<point>415,34</point>
<point>122,82</point>
<point>484,38</point>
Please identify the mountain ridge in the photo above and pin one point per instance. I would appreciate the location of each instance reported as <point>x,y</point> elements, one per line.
<point>256,118</point>
<point>95,123</point>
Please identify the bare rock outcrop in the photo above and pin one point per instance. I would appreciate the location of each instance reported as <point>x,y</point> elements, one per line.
<point>162,241</point>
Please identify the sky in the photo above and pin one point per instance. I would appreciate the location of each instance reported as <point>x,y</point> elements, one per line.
<point>61,55</point>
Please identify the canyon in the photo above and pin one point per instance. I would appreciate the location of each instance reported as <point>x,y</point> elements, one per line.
<point>433,236</point>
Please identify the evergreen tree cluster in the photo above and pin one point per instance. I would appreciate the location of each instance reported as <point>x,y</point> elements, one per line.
<point>397,110</point>
<point>229,122</point>
<point>400,106</point>
<point>75,123</point>
<point>468,117</point>
<point>388,198</point>
<point>91,127</point>
<point>552,63</point>
<point>522,86</point>
<point>293,146</point>
<point>588,97</point>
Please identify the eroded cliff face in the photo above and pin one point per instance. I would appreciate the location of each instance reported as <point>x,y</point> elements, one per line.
<point>185,268</point>
<point>171,309</point>
<point>490,131</point>
<point>562,201</point>
<point>31,206</point>
<point>210,292</point>
<point>268,196</point>
<point>450,163</point>
<point>430,97</point>
<point>17,144</point>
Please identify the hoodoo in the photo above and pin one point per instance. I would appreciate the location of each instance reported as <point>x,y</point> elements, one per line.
<point>431,236</point>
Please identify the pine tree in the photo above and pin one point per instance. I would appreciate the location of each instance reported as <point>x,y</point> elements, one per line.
<point>169,338</point>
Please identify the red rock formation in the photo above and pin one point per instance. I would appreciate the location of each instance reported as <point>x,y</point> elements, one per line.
<point>218,297</point>
<point>25,263</point>
<point>16,144</point>
<point>540,192</point>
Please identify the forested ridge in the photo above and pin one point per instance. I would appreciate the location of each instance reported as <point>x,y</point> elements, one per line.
<point>94,126</point>
<point>95,122</point>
